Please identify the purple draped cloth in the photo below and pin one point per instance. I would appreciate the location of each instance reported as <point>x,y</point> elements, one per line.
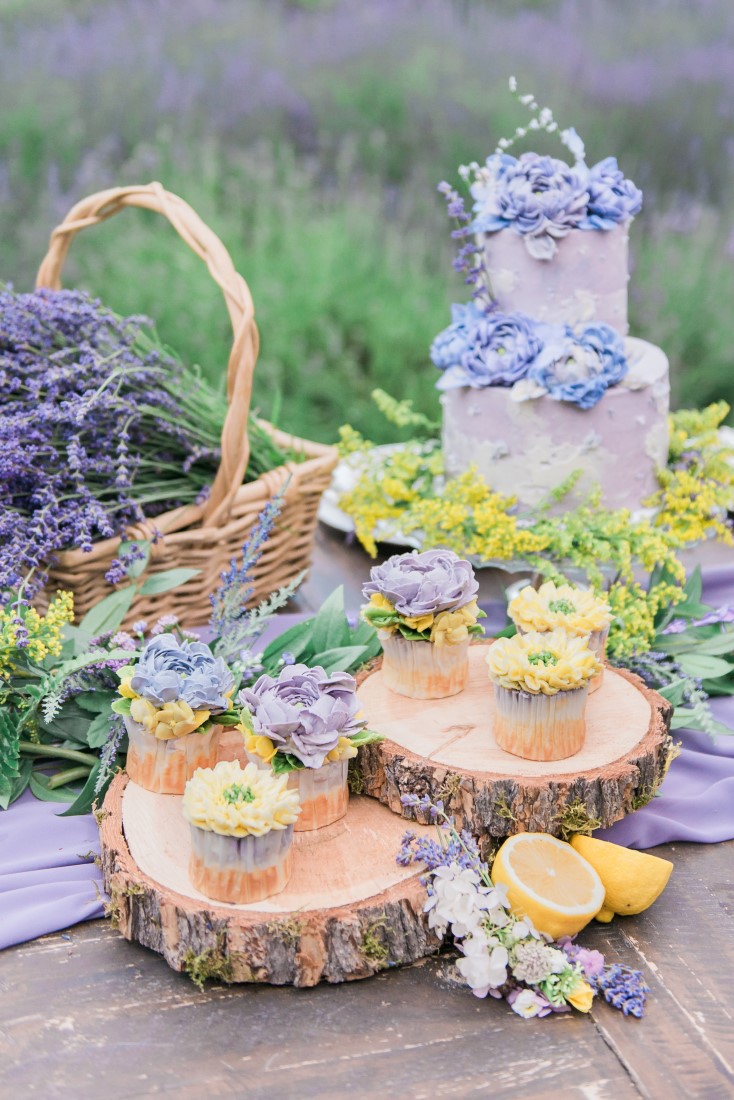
<point>48,882</point>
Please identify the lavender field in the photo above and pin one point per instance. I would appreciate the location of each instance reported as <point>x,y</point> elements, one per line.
<point>311,137</point>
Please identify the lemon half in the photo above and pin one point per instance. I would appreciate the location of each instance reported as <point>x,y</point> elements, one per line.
<point>548,882</point>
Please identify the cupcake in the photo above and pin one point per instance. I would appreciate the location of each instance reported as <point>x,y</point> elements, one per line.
<point>562,607</point>
<point>541,684</point>
<point>305,724</point>
<point>241,831</point>
<point>170,703</point>
<point>424,609</point>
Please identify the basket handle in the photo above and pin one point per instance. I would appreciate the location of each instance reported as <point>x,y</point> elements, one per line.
<point>206,245</point>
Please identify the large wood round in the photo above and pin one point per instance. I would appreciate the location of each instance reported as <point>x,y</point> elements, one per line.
<point>445,748</point>
<point>348,911</point>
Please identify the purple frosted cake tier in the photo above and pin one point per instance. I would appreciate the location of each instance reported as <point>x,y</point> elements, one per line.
<point>526,448</point>
<point>585,281</point>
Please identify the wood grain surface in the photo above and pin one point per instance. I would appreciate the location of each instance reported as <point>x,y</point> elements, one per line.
<point>85,1015</point>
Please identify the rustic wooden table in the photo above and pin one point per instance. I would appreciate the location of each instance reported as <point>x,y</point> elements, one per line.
<point>84,1014</point>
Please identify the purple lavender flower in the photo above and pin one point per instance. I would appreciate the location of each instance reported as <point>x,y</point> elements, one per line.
<point>425,583</point>
<point>538,196</point>
<point>623,988</point>
<point>485,349</point>
<point>169,670</point>
<point>612,198</point>
<point>304,711</point>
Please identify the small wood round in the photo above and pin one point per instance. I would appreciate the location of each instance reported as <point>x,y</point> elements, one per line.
<point>348,911</point>
<point>444,748</point>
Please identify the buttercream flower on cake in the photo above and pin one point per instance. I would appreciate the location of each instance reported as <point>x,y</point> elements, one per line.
<point>481,348</point>
<point>538,196</point>
<point>577,365</point>
<point>429,596</point>
<point>303,718</point>
<point>552,607</point>
<point>542,664</point>
<point>233,801</point>
<point>175,687</point>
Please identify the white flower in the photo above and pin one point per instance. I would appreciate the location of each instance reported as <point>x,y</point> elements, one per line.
<point>526,1004</point>
<point>573,143</point>
<point>526,99</point>
<point>513,83</point>
<point>458,898</point>
<point>483,967</point>
<point>558,960</point>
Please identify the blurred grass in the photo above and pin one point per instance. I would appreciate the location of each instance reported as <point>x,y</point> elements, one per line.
<point>311,140</point>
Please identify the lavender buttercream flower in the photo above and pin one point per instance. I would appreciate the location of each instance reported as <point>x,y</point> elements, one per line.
<point>579,366</point>
<point>424,584</point>
<point>169,670</point>
<point>612,197</point>
<point>484,349</point>
<point>304,711</point>
<point>538,196</point>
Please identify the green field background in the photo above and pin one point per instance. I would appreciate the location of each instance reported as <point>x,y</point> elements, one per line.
<point>311,137</point>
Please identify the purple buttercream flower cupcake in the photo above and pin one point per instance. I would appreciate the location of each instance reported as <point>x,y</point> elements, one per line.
<point>306,722</point>
<point>424,609</point>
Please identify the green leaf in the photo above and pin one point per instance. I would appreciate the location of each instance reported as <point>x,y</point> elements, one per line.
<point>121,706</point>
<point>164,582</point>
<point>9,757</point>
<point>107,615</point>
<point>20,784</point>
<point>138,566</point>
<point>330,628</point>
<point>704,667</point>
<point>98,730</point>
<point>689,642</point>
<point>284,762</point>
<point>95,702</point>
<point>366,737</point>
<point>686,719</point>
<point>39,786</point>
<point>338,659</point>
<point>674,692</point>
<point>296,640</point>
<point>694,586</point>
<point>84,801</point>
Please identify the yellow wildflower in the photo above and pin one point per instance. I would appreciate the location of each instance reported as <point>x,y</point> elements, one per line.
<point>581,996</point>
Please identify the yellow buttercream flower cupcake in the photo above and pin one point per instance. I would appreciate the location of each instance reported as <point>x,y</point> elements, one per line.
<point>563,607</point>
<point>241,831</point>
<point>541,685</point>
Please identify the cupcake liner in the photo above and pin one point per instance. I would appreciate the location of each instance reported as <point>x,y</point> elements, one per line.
<point>240,869</point>
<point>422,670</point>
<point>539,727</point>
<point>324,794</point>
<point>164,767</point>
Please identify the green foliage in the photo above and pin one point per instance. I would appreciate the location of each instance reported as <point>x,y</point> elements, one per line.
<point>327,639</point>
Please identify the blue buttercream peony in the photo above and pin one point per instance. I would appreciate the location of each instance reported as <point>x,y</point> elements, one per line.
<point>579,366</point>
<point>538,196</point>
<point>169,670</point>
<point>612,197</point>
<point>484,349</point>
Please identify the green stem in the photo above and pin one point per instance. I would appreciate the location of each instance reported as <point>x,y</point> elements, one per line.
<point>68,776</point>
<point>32,749</point>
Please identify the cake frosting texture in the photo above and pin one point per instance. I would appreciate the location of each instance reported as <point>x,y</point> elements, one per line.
<point>586,279</point>
<point>527,448</point>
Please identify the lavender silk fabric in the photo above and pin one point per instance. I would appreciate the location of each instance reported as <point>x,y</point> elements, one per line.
<point>47,881</point>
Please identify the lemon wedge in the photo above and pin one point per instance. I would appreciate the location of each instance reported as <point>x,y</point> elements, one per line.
<point>632,880</point>
<point>548,882</point>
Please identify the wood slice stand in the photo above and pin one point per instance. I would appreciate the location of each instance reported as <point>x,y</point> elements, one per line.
<point>445,748</point>
<point>348,911</point>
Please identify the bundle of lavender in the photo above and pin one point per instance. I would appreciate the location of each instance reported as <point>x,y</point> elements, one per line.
<point>100,425</point>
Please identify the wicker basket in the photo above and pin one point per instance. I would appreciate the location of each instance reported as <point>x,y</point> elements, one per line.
<point>203,537</point>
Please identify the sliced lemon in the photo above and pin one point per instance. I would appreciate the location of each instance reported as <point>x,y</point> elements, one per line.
<point>632,880</point>
<point>548,882</point>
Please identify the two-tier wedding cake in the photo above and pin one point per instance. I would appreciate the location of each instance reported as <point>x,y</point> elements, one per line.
<point>539,377</point>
